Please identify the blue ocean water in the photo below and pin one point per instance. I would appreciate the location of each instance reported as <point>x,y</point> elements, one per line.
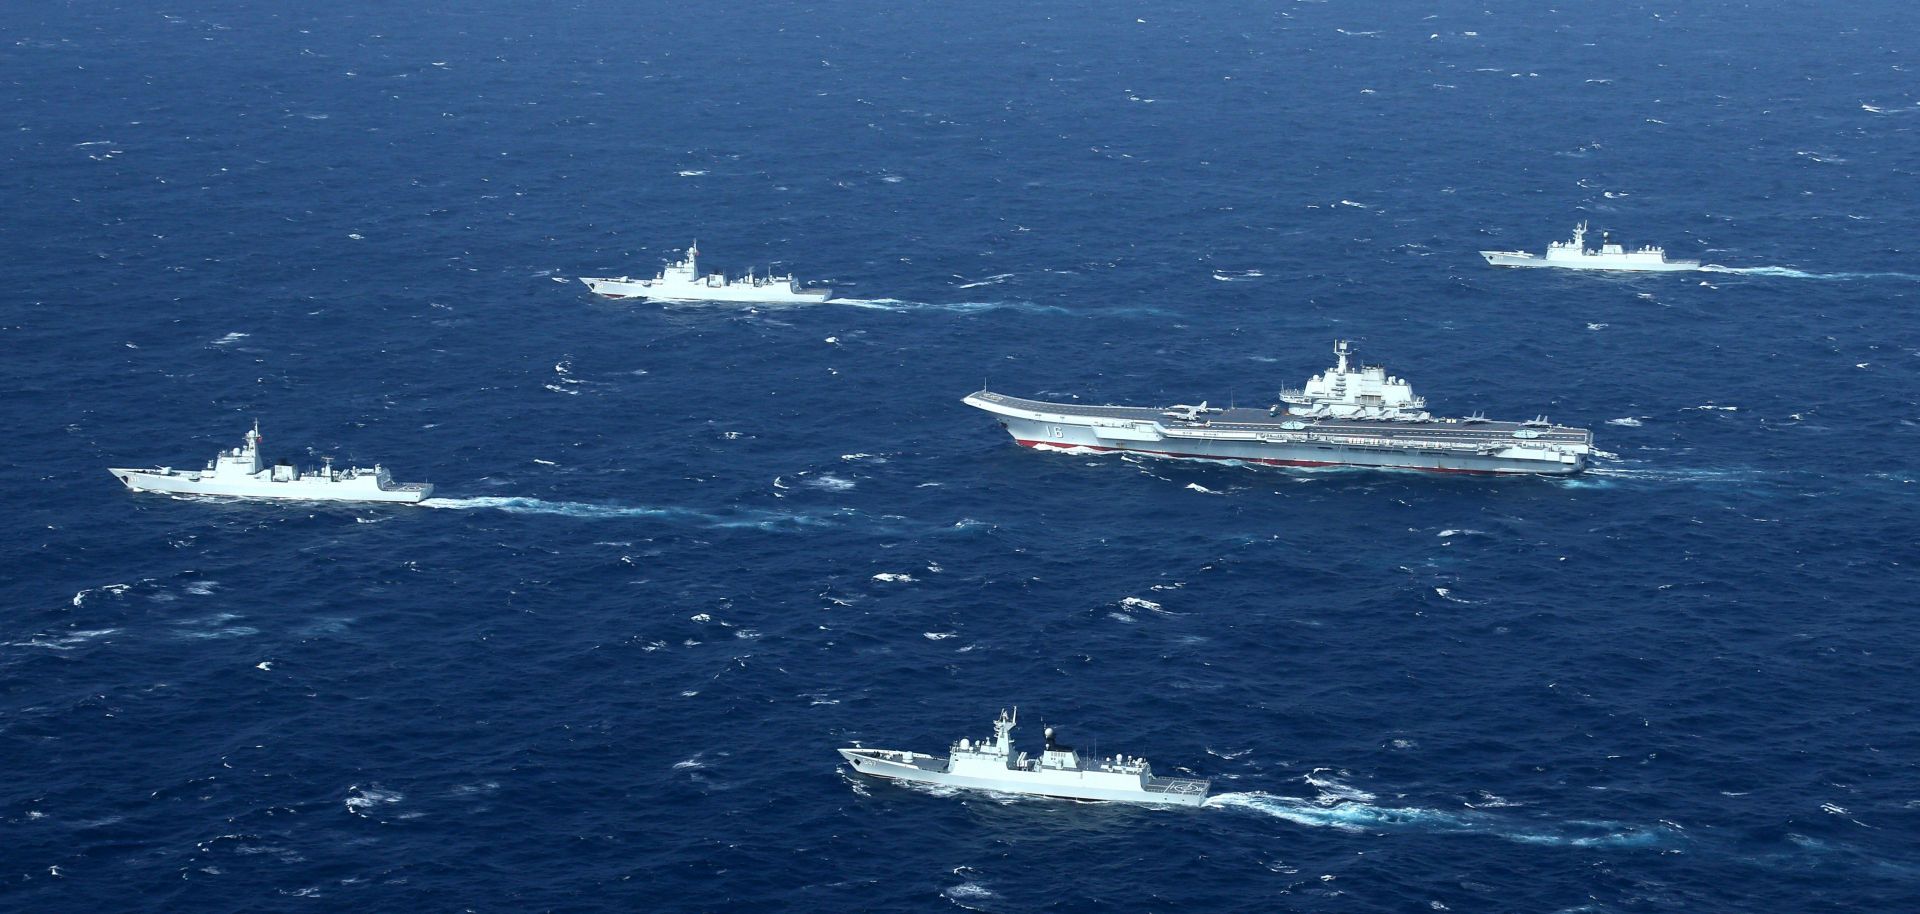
<point>682,553</point>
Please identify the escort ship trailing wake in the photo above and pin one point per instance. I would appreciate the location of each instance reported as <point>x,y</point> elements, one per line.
<point>1574,255</point>
<point>240,473</point>
<point>1346,416</point>
<point>1059,771</point>
<point>683,281</point>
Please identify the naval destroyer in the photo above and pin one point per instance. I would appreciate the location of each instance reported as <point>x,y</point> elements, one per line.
<point>1058,772</point>
<point>242,474</point>
<point>1573,255</point>
<point>1348,415</point>
<point>683,281</point>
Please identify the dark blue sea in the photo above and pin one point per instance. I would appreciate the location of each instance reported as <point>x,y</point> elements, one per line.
<point>680,554</point>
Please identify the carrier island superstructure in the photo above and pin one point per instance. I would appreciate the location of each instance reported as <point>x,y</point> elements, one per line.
<point>1346,416</point>
<point>1058,772</point>
<point>241,473</point>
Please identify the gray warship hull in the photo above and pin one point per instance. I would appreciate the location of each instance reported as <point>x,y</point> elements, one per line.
<point>241,473</point>
<point>1259,436</point>
<point>1590,262</point>
<point>1575,255</point>
<point>918,768</point>
<point>308,488</point>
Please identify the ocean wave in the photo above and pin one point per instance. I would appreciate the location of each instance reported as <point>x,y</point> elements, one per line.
<point>989,281</point>
<point>363,800</point>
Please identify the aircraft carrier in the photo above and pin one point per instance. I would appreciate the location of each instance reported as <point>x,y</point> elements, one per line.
<point>1346,416</point>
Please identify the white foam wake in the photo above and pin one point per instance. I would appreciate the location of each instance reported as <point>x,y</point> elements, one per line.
<point>1791,273</point>
<point>961,307</point>
<point>1361,816</point>
<point>762,520</point>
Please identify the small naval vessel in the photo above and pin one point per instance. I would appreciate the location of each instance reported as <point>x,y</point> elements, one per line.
<point>683,281</point>
<point>241,473</point>
<point>1346,416</point>
<point>1573,255</point>
<point>1058,772</point>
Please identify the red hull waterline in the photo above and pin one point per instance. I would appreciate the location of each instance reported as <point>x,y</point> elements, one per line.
<point>1266,461</point>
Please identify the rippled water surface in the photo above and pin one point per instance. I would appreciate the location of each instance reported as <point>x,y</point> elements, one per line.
<point>679,554</point>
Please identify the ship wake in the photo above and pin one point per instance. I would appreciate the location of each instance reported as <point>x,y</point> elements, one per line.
<point>1362,816</point>
<point>732,519</point>
<point>963,307</point>
<point>1791,273</point>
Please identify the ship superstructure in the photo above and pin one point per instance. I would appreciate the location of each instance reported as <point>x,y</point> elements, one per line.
<point>1347,416</point>
<point>1058,772</point>
<point>1574,255</point>
<point>683,281</point>
<point>241,473</point>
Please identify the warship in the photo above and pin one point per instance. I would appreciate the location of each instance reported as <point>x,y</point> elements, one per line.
<point>1573,255</point>
<point>683,281</point>
<point>1346,416</point>
<point>1059,771</point>
<point>241,473</point>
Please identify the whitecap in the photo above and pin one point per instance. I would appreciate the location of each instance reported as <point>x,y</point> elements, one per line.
<point>938,636</point>
<point>1137,603</point>
<point>893,577</point>
<point>1627,421</point>
<point>966,892</point>
<point>361,799</point>
<point>1332,789</point>
<point>989,281</point>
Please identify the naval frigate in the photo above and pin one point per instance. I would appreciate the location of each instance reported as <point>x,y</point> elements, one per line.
<point>1346,416</point>
<point>683,281</point>
<point>1059,771</point>
<point>1574,255</point>
<point>241,473</point>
